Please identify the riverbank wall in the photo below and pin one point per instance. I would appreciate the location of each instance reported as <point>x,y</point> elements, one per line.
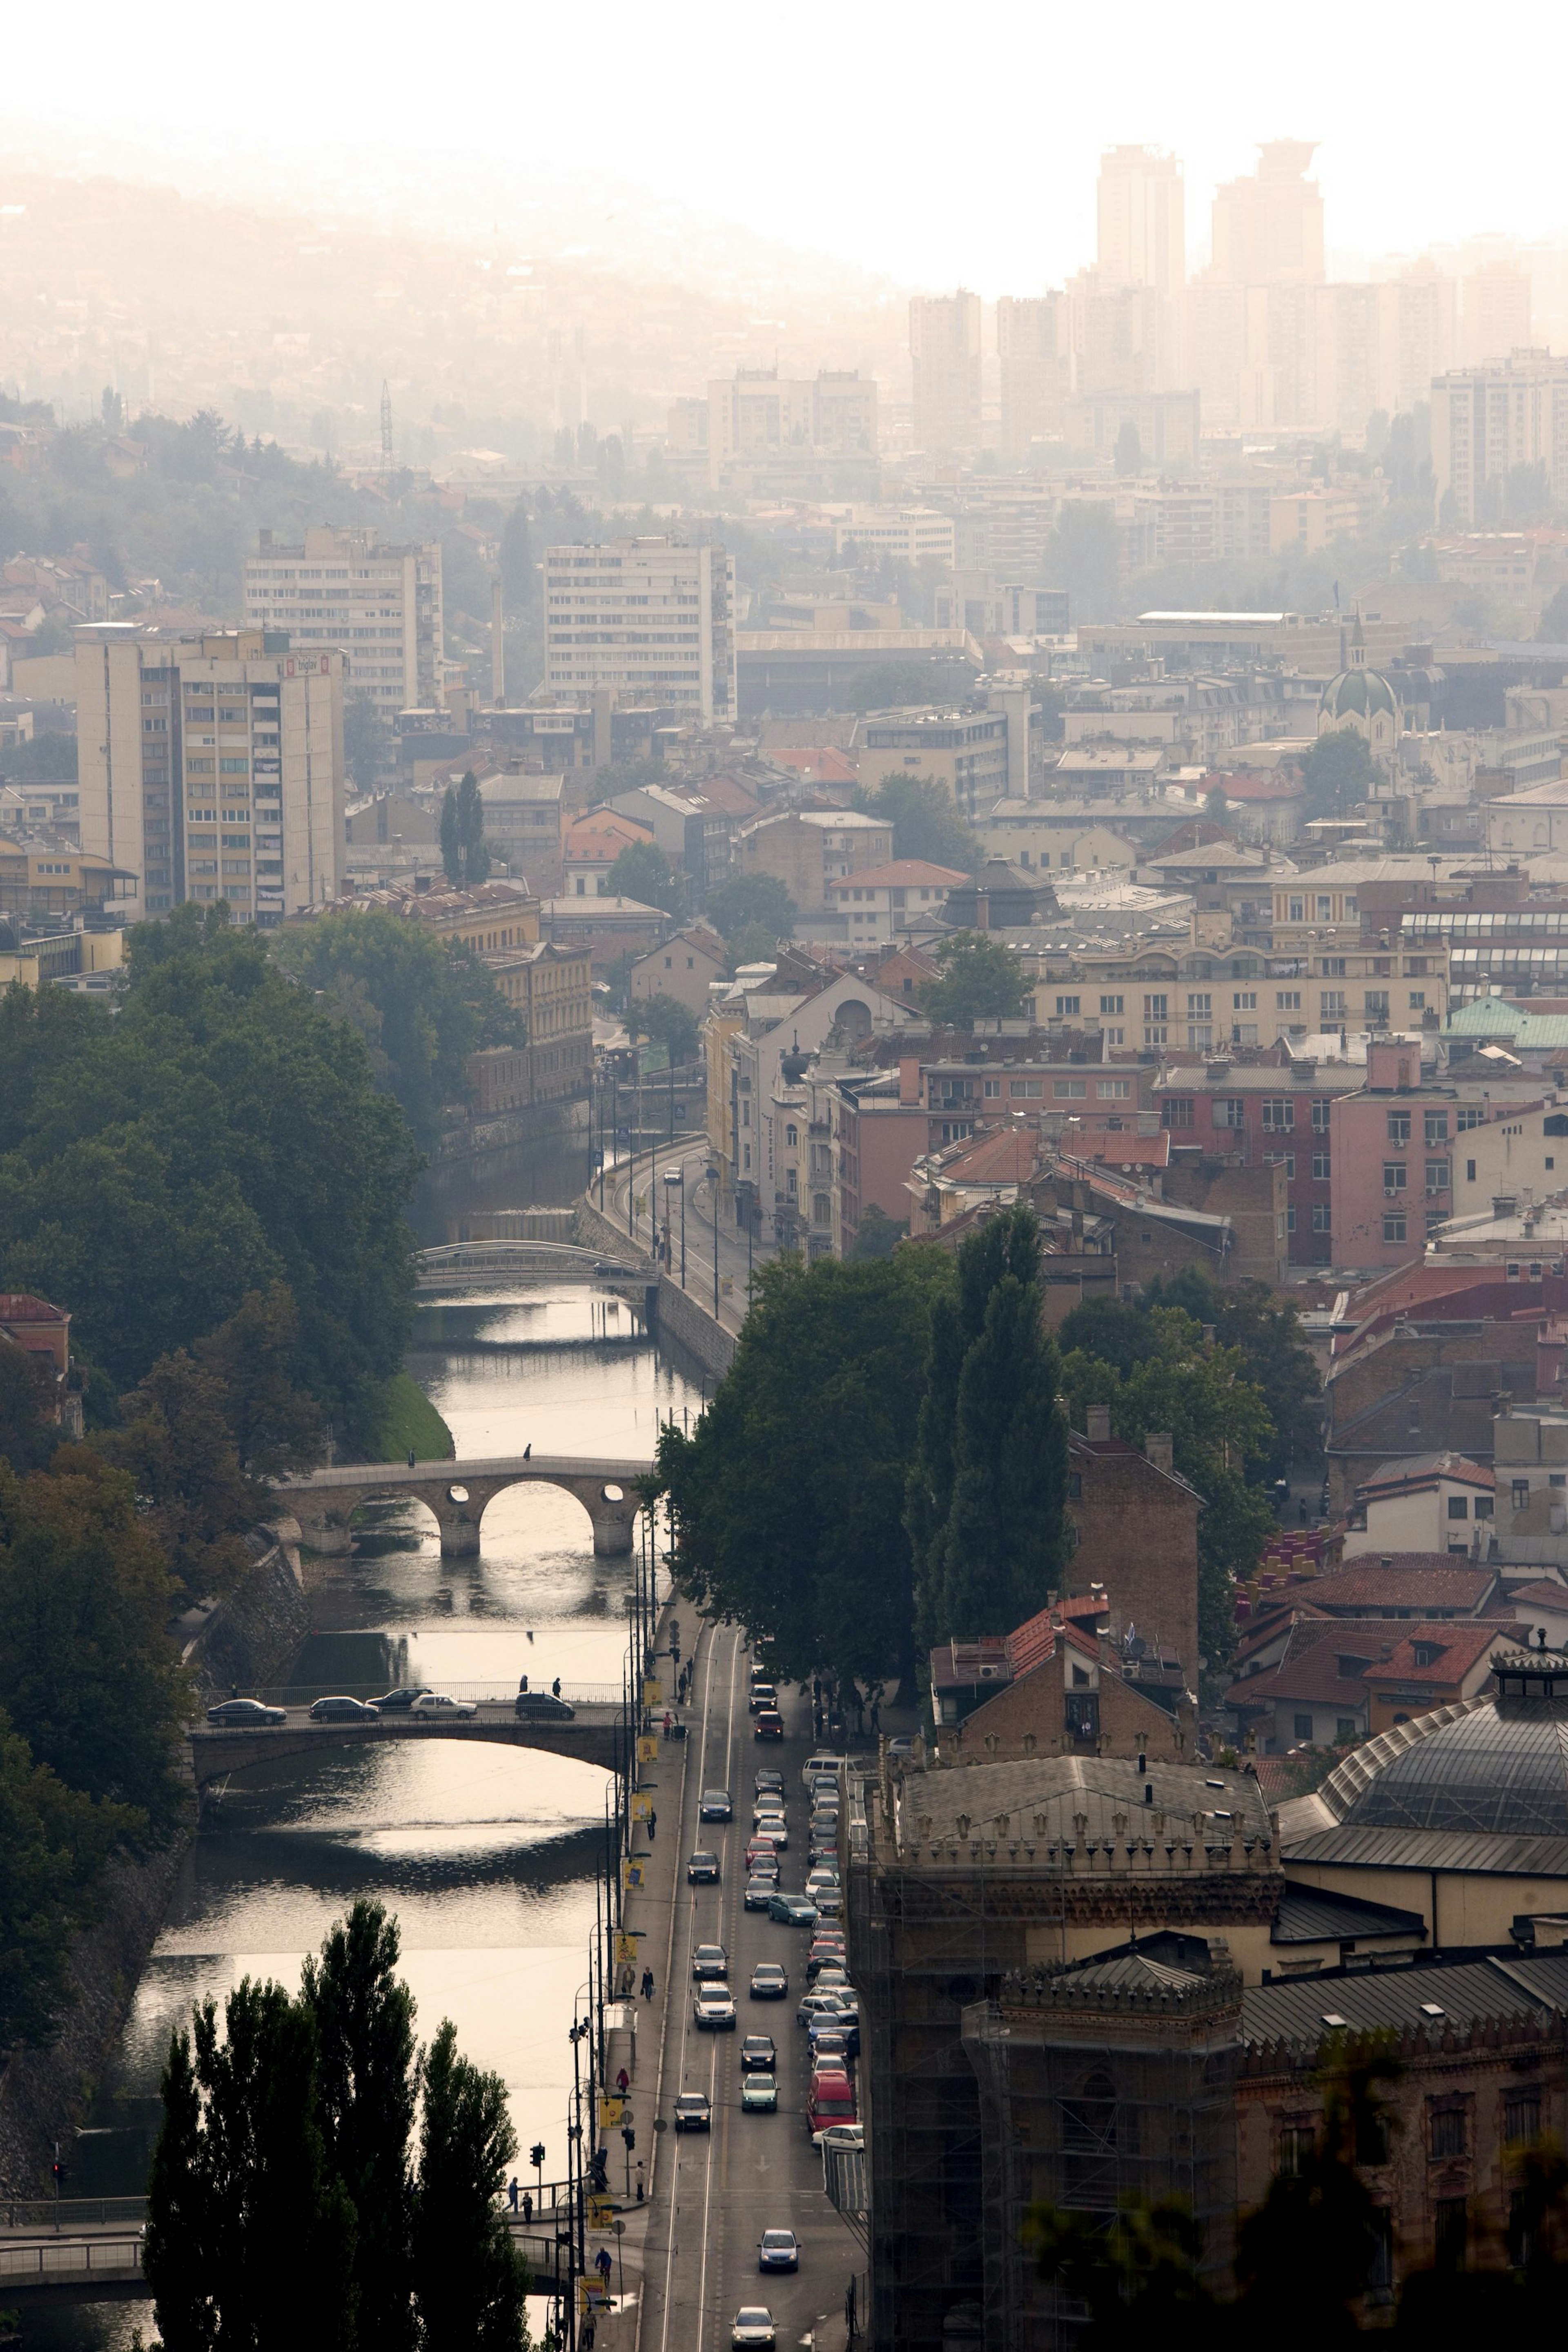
<point>681,1319</point>
<point>252,1635</point>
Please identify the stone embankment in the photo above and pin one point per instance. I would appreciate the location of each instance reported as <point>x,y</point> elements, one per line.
<point>680,1318</point>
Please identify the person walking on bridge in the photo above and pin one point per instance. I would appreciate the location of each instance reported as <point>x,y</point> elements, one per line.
<point>511,2193</point>
<point>648,1984</point>
<point>411,1457</point>
<point>652,1823</point>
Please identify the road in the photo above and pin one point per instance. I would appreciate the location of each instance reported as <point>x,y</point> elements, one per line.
<point>691,1156</point>
<point>752,2172</point>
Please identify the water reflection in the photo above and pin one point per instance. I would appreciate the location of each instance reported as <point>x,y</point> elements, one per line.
<point>487,1856</point>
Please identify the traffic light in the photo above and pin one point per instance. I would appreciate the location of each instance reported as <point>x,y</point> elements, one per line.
<point>630,2138</point>
<point>536,2156</point>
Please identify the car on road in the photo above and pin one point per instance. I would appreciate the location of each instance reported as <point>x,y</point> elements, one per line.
<point>828,2043</point>
<point>711,1964</point>
<point>759,2094</point>
<point>343,1710</point>
<point>769,1726</point>
<point>626,1273</point>
<point>714,2009</point>
<point>815,2003</point>
<point>842,2136</point>
<point>829,1900</point>
<point>438,1704</point>
<point>692,2112</point>
<point>758,2055</point>
<point>830,2100</point>
<point>760,1847</point>
<point>753,2325</point>
<point>770,1981</point>
<point>544,1706</point>
<point>765,1866</point>
<point>816,1961</point>
<point>793,1910</point>
<point>768,1780</point>
<point>714,1806</point>
<point>778,2251</point>
<point>763,1694</point>
<point>247,1714</point>
<point>769,1801</point>
<point>834,1977</point>
<point>703,1869</point>
<point>775,1826</point>
<point>759,1893</point>
<point>395,1702</point>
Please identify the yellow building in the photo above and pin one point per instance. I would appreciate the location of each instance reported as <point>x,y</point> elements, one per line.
<point>54,877</point>
<point>82,959</point>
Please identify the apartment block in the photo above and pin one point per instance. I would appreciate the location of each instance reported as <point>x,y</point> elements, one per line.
<point>647,620</point>
<point>945,355</point>
<point>379,606</point>
<point>758,417</point>
<point>212,767</point>
<point>910,534</point>
<point>1140,218</point>
<point>1486,420</point>
<point>1030,346</point>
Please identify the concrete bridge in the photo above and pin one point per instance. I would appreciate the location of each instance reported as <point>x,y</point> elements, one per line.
<point>453,1266</point>
<point>597,1734</point>
<point>105,2266</point>
<point>324,1501</point>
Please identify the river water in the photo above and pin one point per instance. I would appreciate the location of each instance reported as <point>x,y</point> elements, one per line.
<point>486,1856</point>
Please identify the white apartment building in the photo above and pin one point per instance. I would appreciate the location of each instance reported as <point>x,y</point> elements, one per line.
<point>757,416</point>
<point>908,534</point>
<point>212,767</point>
<point>1030,347</point>
<point>944,359</point>
<point>379,606</point>
<point>1486,420</point>
<point>1140,217</point>
<point>647,620</point>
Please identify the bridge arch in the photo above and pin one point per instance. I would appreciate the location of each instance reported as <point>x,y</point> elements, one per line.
<point>458,1494</point>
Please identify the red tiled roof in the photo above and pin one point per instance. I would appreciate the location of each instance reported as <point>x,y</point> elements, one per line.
<point>1411,1579</point>
<point>1461,1647</point>
<point>1008,1155</point>
<point>23,1307</point>
<point>1542,1595</point>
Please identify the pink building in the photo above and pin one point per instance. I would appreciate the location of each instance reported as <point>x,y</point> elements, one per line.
<point>876,1139</point>
<point>1391,1148</point>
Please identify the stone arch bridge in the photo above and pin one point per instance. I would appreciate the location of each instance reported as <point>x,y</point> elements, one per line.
<point>595,1733</point>
<point>456,1492</point>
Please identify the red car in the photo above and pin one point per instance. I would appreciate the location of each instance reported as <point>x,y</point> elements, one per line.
<point>770,1726</point>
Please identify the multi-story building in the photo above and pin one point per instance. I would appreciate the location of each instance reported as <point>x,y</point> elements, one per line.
<point>1487,419</point>
<point>807,849</point>
<point>883,903</point>
<point>1267,1114</point>
<point>758,418</point>
<point>1028,344</point>
<point>1140,214</point>
<point>1268,227</point>
<point>910,534</point>
<point>647,619</point>
<point>379,606</point>
<point>945,355</point>
<point>212,767</point>
<point>964,750</point>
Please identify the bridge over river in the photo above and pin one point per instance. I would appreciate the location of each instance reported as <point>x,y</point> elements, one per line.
<point>324,1501</point>
<point>457,1266</point>
<point>597,1732</point>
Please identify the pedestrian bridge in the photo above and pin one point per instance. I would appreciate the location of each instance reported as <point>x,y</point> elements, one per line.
<point>455,1266</point>
<point>105,2266</point>
<point>596,1735</point>
<point>456,1493</point>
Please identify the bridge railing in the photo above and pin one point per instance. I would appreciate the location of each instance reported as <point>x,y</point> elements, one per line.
<point>499,1691</point>
<point>68,2260</point>
<point>72,2212</point>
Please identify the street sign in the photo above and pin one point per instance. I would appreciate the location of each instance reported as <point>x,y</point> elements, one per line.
<point>652,1694</point>
<point>609,2112</point>
<point>647,1751</point>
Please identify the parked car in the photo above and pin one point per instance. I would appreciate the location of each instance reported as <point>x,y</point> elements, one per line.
<point>703,1869</point>
<point>842,2136</point>
<point>247,1713</point>
<point>815,2003</point>
<point>769,1726</point>
<point>715,1806</point>
<point>828,2043</point>
<point>777,2250</point>
<point>843,2021</point>
<point>544,1705</point>
<point>830,2100</point>
<point>904,1748</point>
<point>832,1977</point>
<point>754,2326</point>
<point>793,1910</point>
<point>760,1892</point>
<point>759,2094</point>
<point>396,1701</point>
<point>343,1710</point>
<point>823,1767</point>
<point>437,1702</point>
<point>758,2055</point>
<point>692,2112</point>
<point>710,1963</point>
<point>829,1900</point>
<point>713,2009</point>
<point>770,1981</point>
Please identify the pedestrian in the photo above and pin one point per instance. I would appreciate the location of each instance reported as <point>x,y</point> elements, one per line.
<point>527,1451</point>
<point>652,1823</point>
<point>531,1633</point>
<point>588,2337</point>
<point>623,2082</point>
<point>522,1687</point>
<point>876,1717</point>
<point>527,2206</point>
<point>648,1984</point>
<point>511,2193</point>
<point>602,2261</point>
<point>668,1719</point>
<point>411,1457</point>
<point>639,2181</point>
<point>555,1687</point>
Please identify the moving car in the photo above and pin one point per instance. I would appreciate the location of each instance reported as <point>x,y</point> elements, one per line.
<point>773,1825</point>
<point>754,2326</point>
<point>715,1806</point>
<point>343,1710</point>
<point>252,1713</point>
<point>437,1702</point>
<point>769,1806</point>
<point>703,1869</point>
<point>793,1910</point>
<point>758,2055</point>
<point>763,1694</point>
<point>714,2009</point>
<point>544,1705</point>
<point>711,1964</point>
<point>830,2100</point>
<point>778,2251</point>
<point>759,2094</point>
<point>759,1890</point>
<point>759,1847</point>
<point>397,1700</point>
<point>769,1726</point>
<point>692,2112</point>
<point>770,1981</point>
<point>767,1778</point>
<point>830,2042</point>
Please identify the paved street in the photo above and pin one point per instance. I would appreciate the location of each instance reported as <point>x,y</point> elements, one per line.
<point>716,2192</point>
<point>690,1154</point>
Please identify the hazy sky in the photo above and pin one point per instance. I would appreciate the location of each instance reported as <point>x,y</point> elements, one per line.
<point>932,143</point>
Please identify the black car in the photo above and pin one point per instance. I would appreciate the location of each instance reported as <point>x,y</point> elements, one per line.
<point>398,1701</point>
<point>692,2112</point>
<point>768,1784</point>
<point>541,1704</point>
<point>715,1806</point>
<point>758,2055</point>
<point>703,1870</point>
<point>711,1964</point>
<point>343,1710</point>
<point>247,1713</point>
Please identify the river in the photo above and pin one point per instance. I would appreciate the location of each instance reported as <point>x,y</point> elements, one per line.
<point>486,1856</point>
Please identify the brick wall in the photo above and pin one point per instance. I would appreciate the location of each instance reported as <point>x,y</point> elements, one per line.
<point>1138,1537</point>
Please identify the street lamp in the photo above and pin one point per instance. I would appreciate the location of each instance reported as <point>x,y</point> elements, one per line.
<point>713,1180</point>
<point>676,1177</point>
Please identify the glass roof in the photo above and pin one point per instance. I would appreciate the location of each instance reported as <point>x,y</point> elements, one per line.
<point>1507,1774</point>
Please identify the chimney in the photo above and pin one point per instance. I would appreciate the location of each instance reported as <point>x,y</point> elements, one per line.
<point>908,1080</point>
<point>1098,1421</point>
<point>1157,1446</point>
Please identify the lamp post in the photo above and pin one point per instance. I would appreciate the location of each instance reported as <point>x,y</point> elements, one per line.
<point>674,1179</point>
<point>713,1175</point>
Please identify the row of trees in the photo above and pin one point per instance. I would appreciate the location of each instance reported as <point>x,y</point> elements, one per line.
<point>317,2173</point>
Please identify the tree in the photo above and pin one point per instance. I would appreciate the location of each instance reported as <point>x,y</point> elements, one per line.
<point>192,1493</point>
<point>643,872</point>
<point>1082,557</point>
<point>1337,773</point>
<point>787,1495</point>
<point>274,1424</point>
<point>667,1021</point>
<point>465,853</point>
<point>366,2090</point>
<point>1128,456</point>
<point>892,686</point>
<point>926,822</point>
<point>878,1235</point>
<point>469,2279</point>
<point>1266,1329</point>
<point>250,2234</point>
<point>54,1842</point>
<point>742,900</point>
<point>1216,808</point>
<point>980,979</point>
<point>27,1434</point>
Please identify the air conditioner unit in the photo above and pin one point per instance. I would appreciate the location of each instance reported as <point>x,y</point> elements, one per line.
<point>988,1674</point>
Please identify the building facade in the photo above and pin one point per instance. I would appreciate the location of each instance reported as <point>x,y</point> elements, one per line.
<point>944,357</point>
<point>379,606</point>
<point>647,619</point>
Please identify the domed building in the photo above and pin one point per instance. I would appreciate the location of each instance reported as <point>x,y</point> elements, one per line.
<point>1460,1815</point>
<point>1362,698</point>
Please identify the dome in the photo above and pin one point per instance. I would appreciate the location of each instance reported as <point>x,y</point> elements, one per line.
<point>1500,1771</point>
<point>1357,694</point>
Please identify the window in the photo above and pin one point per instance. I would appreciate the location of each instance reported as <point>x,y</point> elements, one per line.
<point>1303,1727</point>
<point>1200,1004</point>
<point>1279,1116</point>
<point>1026,1089</point>
<point>1331,967</point>
<point>1287,1000</point>
<point>1435,1123</point>
<point>1394,1175</point>
<point>1321,1217</point>
<point>1083,1715</point>
<point>1449,2124</point>
<point>1321,1169</point>
<point>1112,1004</point>
<point>1229,1111</point>
<point>991,1088</point>
<point>1321,1109</point>
<point>1296,2143</point>
<point>1436,1178</point>
<point>1325,908</point>
<point>1333,1004</point>
<point>1119,1090</point>
<point>1377,1004</point>
<point>1069,1089</point>
<point>1393,1229</point>
<point>1417,1000</point>
<point>1399,1126</point>
<point>1521,2118</point>
<point>1177,1111</point>
<point>1470,1115</point>
<point>1296,910</point>
<point>1469,1172</point>
<point>1286,1160</point>
<point>1155,1008</point>
<point>1067,1003</point>
<point>1520,1494</point>
<point>1289,1218</point>
<point>1483,1507</point>
<point>1458,1508</point>
<point>791,1135</point>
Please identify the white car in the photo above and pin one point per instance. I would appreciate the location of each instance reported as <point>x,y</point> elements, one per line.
<point>714,2009</point>
<point>431,1702</point>
<point>753,2325</point>
<point>841,2136</point>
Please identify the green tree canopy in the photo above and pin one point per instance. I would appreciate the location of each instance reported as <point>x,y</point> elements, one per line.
<point>742,900</point>
<point>980,979</point>
<point>643,872</point>
<point>465,853</point>
<point>925,821</point>
<point>1337,771</point>
<point>422,1004</point>
<point>54,1842</point>
<point>469,2279</point>
<point>788,1494</point>
<point>667,1021</point>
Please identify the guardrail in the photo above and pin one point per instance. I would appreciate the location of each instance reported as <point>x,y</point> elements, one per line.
<point>72,2212</point>
<point>67,2260</point>
<point>501,1692</point>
